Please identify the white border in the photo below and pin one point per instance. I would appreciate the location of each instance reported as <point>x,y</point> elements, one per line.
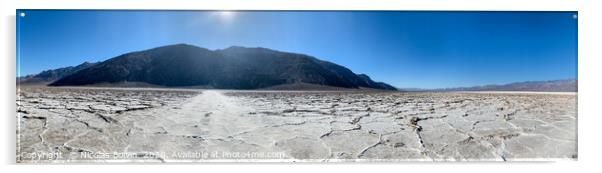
<point>521,5</point>
<point>588,72</point>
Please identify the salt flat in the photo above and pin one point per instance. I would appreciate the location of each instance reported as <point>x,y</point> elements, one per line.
<point>165,125</point>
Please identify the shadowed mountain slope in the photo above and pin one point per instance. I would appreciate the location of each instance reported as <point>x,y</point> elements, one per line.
<point>185,65</point>
<point>48,76</point>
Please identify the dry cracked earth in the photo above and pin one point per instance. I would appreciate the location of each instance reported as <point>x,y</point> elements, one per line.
<point>169,125</point>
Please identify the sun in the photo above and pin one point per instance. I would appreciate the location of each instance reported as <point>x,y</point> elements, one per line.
<point>226,15</point>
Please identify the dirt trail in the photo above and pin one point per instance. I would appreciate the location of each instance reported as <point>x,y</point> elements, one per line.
<point>219,115</point>
<point>209,122</point>
<point>209,114</point>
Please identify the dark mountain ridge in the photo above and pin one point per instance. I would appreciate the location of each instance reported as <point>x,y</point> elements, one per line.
<point>235,67</point>
<point>52,75</point>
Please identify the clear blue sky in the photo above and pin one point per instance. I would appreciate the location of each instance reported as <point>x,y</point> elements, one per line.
<point>405,49</point>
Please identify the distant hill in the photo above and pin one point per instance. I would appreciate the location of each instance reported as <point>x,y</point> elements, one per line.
<point>236,67</point>
<point>567,85</point>
<point>49,76</point>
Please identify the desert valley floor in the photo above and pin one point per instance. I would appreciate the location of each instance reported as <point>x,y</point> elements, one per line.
<point>179,125</point>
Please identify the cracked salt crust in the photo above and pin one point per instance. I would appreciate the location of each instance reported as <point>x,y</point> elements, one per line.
<point>304,126</point>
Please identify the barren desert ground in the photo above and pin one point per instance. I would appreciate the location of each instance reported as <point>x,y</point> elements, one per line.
<point>178,125</point>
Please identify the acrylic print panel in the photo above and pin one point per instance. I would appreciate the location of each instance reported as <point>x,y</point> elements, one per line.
<point>317,86</point>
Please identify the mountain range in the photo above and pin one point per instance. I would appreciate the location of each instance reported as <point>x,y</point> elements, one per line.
<point>236,67</point>
<point>566,85</point>
<point>184,65</point>
<point>52,75</point>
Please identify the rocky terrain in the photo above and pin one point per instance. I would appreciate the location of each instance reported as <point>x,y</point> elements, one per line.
<point>176,125</point>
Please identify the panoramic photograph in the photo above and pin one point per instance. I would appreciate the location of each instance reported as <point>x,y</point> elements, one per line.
<point>180,86</point>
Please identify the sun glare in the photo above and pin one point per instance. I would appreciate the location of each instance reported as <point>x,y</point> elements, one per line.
<point>226,15</point>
